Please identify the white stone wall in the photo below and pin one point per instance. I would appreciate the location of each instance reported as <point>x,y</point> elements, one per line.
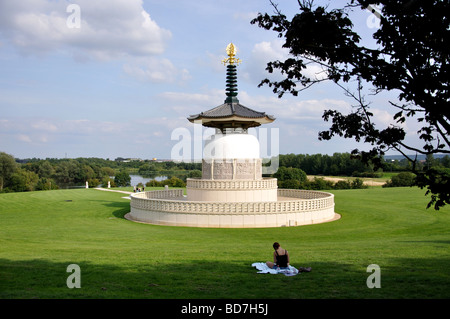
<point>307,207</point>
<point>232,190</point>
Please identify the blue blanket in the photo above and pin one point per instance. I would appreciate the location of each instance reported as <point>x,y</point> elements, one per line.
<point>264,269</point>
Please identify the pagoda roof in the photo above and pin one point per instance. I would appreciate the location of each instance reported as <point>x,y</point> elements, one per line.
<point>231,112</point>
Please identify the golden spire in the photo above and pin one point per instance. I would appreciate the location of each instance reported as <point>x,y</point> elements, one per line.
<point>231,51</point>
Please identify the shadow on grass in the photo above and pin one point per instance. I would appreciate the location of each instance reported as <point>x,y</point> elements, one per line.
<point>232,279</point>
<point>44,279</point>
<point>123,207</point>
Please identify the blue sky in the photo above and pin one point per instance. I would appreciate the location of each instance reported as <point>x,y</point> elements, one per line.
<point>121,83</point>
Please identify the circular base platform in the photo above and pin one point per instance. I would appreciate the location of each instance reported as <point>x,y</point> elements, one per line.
<point>292,208</point>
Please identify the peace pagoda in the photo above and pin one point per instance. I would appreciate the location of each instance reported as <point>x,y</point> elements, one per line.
<point>232,192</point>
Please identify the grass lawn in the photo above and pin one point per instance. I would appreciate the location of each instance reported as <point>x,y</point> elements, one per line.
<point>41,233</point>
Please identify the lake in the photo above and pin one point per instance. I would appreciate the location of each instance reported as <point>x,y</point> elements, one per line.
<point>136,179</point>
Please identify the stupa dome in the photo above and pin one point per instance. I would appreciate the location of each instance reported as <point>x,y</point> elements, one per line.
<point>231,146</point>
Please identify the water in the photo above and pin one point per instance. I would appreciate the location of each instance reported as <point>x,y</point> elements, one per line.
<point>136,179</point>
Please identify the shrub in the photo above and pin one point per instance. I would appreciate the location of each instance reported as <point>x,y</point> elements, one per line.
<point>317,184</point>
<point>194,174</point>
<point>343,185</point>
<point>122,178</point>
<point>45,183</point>
<point>358,183</point>
<point>289,173</point>
<point>401,179</point>
<point>290,183</point>
<point>153,183</point>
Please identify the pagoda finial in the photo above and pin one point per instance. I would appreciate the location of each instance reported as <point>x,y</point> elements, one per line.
<point>231,52</point>
<point>231,63</point>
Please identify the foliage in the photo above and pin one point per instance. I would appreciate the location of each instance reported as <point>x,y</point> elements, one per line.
<point>402,179</point>
<point>196,173</point>
<point>290,173</point>
<point>411,58</point>
<point>436,180</point>
<point>295,178</point>
<point>289,183</point>
<point>171,182</point>
<point>52,173</point>
<point>338,164</point>
<point>8,167</point>
<point>45,183</point>
<point>318,183</point>
<point>58,173</point>
<point>23,180</point>
<point>122,178</point>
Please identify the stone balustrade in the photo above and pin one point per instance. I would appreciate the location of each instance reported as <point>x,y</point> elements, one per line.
<point>172,202</point>
<point>265,183</point>
<point>231,191</point>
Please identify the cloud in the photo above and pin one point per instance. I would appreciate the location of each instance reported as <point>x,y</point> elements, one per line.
<point>159,70</point>
<point>293,109</point>
<point>42,130</point>
<point>268,51</point>
<point>262,53</point>
<point>185,104</point>
<point>107,29</point>
<point>44,125</point>
<point>245,16</point>
<point>24,138</point>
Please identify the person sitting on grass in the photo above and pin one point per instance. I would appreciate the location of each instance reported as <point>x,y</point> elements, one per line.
<point>281,259</point>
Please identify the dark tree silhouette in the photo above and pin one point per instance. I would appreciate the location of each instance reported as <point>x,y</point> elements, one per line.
<point>411,58</point>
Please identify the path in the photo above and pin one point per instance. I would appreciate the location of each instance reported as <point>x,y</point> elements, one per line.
<point>114,190</point>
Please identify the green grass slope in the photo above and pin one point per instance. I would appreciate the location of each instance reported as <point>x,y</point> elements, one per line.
<point>41,233</point>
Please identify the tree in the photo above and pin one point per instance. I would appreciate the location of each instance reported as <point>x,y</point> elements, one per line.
<point>196,173</point>
<point>411,58</point>
<point>23,181</point>
<point>289,183</point>
<point>45,183</point>
<point>401,179</point>
<point>122,178</point>
<point>290,173</point>
<point>45,169</point>
<point>8,167</point>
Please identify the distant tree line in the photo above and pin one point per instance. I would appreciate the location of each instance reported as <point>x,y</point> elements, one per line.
<point>344,164</point>
<point>293,171</point>
<point>339,164</point>
<point>295,178</point>
<point>17,175</point>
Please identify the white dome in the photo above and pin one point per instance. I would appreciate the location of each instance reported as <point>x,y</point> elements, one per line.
<point>230,146</point>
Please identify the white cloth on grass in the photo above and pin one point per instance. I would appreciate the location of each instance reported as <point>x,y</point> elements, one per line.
<point>264,269</point>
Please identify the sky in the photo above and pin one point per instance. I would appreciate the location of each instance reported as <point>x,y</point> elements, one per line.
<point>118,78</point>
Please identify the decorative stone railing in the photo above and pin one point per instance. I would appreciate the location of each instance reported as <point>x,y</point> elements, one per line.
<point>265,183</point>
<point>293,201</point>
<point>165,194</point>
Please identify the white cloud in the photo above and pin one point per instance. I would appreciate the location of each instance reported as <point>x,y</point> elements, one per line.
<point>245,16</point>
<point>293,109</point>
<point>268,51</point>
<point>262,53</point>
<point>44,125</point>
<point>108,29</point>
<point>185,104</point>
<point>24,138</point>
<point>154,69</point>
